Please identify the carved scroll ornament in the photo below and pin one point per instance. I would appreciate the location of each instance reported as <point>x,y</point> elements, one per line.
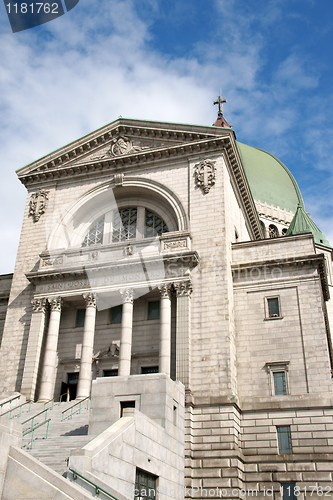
<point>38,204</point>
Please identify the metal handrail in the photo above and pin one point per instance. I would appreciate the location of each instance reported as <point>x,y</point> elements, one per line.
<point>32,418</point>
<point>98,489</point>
<point>53,400</point>
<point>71,408</point>
<point>35,428</point>
<point>61,395</point>
<point>15,408</point>
<point>49,401</point>
<point>10,400</point>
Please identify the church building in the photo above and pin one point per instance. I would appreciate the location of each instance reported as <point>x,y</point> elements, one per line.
<point>172,275</point>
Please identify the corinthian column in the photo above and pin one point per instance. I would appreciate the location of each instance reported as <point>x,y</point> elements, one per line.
<point>50,356</point>
<point>165,328</point>
<point>83,389</point>
<point>125,353</point>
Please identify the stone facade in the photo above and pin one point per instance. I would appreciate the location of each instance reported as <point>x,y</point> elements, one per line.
<point>208,301</point>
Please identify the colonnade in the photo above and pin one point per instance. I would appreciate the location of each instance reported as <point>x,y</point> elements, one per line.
<point>49,364</point>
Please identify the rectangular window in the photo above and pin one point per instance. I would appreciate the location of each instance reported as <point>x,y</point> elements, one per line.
<point>149,369</point>
<point>80,316</point>
<point>288,491</point>
<point>145,485</point>
<point>284,439</point>
<point>110,373</point>
<point>72,378</point>
<point>126,404</point>
<point>154,309</point>
<point>280,386</point>
<point>273,307</point>
<point>116,314</point>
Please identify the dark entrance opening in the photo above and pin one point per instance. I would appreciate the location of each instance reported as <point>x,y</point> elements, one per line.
<point>72,381</point>
<point>126,404</point>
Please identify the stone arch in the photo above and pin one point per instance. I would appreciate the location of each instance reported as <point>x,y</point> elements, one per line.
<point>71,227</point>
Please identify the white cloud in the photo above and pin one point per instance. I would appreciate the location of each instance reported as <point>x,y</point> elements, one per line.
<point>86,68</point>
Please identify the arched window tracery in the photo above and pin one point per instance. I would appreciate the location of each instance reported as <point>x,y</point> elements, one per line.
<point>95,234</point>
<point>125,222</point>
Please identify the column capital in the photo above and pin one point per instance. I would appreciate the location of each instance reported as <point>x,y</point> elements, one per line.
<point>39,305</point>
<point>183,288</point>
<point>90,299</point>
<point>165,290</point>
<point>127,295</point>
<point>56,303</point>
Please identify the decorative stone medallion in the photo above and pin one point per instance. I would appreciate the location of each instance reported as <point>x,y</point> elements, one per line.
<point>38,204</point>
<point>205,174</point>
<point>122,146</point>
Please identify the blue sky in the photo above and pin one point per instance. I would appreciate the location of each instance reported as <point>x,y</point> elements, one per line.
<point>167,61</point>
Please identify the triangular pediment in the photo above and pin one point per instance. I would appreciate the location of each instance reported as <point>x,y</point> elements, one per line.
<point>120,139</point>
<point>128,143</point>
<point>122,145</point>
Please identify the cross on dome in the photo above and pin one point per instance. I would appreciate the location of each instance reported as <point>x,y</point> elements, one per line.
<point>220,121</point>
<point>220,102</point>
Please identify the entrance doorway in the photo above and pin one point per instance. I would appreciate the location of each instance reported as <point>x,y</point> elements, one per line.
<point>72,381</point>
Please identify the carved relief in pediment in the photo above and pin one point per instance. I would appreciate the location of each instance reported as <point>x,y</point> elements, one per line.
<point>119,146</point>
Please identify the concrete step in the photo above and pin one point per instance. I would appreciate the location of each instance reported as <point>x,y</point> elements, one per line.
<point>65,434</point>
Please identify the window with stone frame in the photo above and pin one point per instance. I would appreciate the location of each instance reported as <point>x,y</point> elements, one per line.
<point>153,310</point>
<point>280,384</point>
<point>278,377</point>
<point>116,314</point>
<point>110,373</point>
<point>80,317</point>
<point>149,369</point>
<point>272,307</point>
<point>145,485</point>
<point>284,439</point>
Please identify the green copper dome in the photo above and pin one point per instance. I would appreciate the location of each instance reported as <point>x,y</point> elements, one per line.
<point>270,181</point>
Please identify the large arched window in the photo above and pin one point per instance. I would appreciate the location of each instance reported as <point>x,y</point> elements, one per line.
<point>155,225</point>
<point>125,224</point>
<point>95,234</point>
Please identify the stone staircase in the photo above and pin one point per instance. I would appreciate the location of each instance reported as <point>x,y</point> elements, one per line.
<point>63,436</point>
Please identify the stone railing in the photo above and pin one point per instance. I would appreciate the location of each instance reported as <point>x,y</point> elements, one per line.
<point>174,243</point>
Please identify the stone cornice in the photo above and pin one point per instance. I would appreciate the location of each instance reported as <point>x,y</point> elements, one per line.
<point>191,259</point>
<point>86,145</point>
<point>275,241</point>
<point>317,260</point>
<point>62,168</point>
<point>239,177</point>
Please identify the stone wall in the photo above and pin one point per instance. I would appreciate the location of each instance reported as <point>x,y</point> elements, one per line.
<point>5,285</point>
